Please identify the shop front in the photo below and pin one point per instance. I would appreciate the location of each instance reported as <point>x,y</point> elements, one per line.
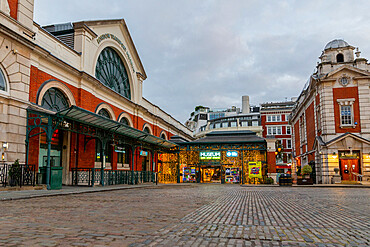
<point>222,157</point>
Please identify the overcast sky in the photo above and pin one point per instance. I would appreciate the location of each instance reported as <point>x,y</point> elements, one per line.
<point>211,52</point>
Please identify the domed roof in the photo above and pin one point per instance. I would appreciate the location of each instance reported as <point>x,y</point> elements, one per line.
<point>337,43</point>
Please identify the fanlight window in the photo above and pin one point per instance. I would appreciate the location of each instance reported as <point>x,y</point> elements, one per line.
<point>104,113</point>
<point>124,121</point>
<point>163,136</point>
<point>2,81</point>
<point>54,100</point>
<point>112,73</point>
<point>146,129</point>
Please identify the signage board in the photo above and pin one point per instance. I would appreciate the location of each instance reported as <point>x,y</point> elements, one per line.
<point>143,153</point>
<point>210,155</point>
<point>232,154</point>
<point>255,169</point>
<point>119,149</point>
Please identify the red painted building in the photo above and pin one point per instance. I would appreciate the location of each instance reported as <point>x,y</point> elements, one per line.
<point>278,134</point>
<point>331,120</point>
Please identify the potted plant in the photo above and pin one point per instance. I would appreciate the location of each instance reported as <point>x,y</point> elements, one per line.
<point>306,171</point>
<point>14,173</point>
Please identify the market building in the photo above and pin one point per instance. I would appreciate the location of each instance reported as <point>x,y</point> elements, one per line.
<point>71,100</point>
<point>237,157</point>
<point>331,120</point>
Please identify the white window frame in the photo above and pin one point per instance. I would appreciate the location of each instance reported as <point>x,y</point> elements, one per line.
<point>274,130</point>
<point>6,81</point>
<point>347,103</point>
<point>287,141</point>
<point>273,118</point>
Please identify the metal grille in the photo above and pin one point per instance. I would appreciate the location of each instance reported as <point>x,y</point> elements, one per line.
<point>111,71</point>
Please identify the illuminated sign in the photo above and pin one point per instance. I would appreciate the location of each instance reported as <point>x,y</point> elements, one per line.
<point>255,169</point>
<point>211,155</point>
<point>232,154</point>
<point>143,153</point>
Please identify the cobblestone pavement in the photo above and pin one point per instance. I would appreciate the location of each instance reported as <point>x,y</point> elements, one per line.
<point>196,215</point>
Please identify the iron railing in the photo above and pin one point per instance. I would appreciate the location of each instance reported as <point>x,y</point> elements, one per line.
<point>17,175</point>
<point>92,176</point>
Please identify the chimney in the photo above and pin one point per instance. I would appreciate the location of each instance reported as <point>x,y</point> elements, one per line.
<point>245,104</point>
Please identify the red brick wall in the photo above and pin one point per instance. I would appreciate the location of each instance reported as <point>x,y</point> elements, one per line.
<point>271,162</point>
<point>310,126</point>
<point>345,93</point>
<point>297,139</point>
<point>88,101</point>
<point>13,5</point>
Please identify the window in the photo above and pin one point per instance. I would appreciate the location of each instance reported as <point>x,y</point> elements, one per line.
<point>302,128</point>
<point>274,130</point>
<point>124,121</point>
<point>103,112</point>
<point>54,100</point>
<point>244,123</point>
<point>318,118</point>
<point>163,136</point>
<point>225,124</point>
<point>216,115</point>
<point>289,143</point>
<point>122,155</point>
<point>2,81</point>
<point>98,150</point>
<point>273,118</point>
<point>233,124</point>
<point>340,58</point>
<point>146,130</point>
<point>111,71</point>
<point>218,125</point>
<point>288,130</point>
<point>346,112</point>
<point>346,115</point>
<point>254,123</point>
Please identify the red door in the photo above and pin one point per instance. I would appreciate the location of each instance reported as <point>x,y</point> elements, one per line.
<point>349,166</point>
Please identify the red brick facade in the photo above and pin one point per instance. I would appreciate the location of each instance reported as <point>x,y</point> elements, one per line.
<point>13,6</point>
<point>346,93</point>
<point>86,100</point>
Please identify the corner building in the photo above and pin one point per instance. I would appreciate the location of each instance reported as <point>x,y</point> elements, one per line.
<point>331,120</point>
<point>71,97</point>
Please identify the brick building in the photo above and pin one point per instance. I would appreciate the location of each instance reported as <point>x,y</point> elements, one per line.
<point>331,120</point>
<point>71,96</point>
<point>278,134</point>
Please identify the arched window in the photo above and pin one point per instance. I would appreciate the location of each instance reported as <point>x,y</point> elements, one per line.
<point>163,136</point>
<point>2,81</point>
<point>147,130</point>
<point>103,112</point>
<point>124,121</point>
<point>54,100</point>
<point>340,58</point>
<point>111,71</point>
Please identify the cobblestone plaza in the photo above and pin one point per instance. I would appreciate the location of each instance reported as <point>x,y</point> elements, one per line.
<point>191,215</point>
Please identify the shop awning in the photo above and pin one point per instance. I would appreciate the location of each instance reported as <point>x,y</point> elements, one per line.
<point>83,116</point>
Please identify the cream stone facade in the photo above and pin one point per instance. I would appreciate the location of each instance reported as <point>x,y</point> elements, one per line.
<point>25,46</point>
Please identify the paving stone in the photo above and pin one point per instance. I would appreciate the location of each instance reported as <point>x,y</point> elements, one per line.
<point>192,215</point>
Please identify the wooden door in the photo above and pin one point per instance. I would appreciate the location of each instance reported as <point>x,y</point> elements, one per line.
<point>347,167</point>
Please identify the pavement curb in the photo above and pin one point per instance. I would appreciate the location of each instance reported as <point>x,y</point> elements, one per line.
<point>309,186</point>
<point>97,190</point>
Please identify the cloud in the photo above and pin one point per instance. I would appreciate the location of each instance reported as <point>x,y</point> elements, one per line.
<point>212,52</point>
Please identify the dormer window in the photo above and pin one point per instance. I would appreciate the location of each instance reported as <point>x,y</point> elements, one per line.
<point>340,58</point>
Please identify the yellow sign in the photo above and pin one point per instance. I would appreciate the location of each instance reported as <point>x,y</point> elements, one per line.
<point>255,169</point>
